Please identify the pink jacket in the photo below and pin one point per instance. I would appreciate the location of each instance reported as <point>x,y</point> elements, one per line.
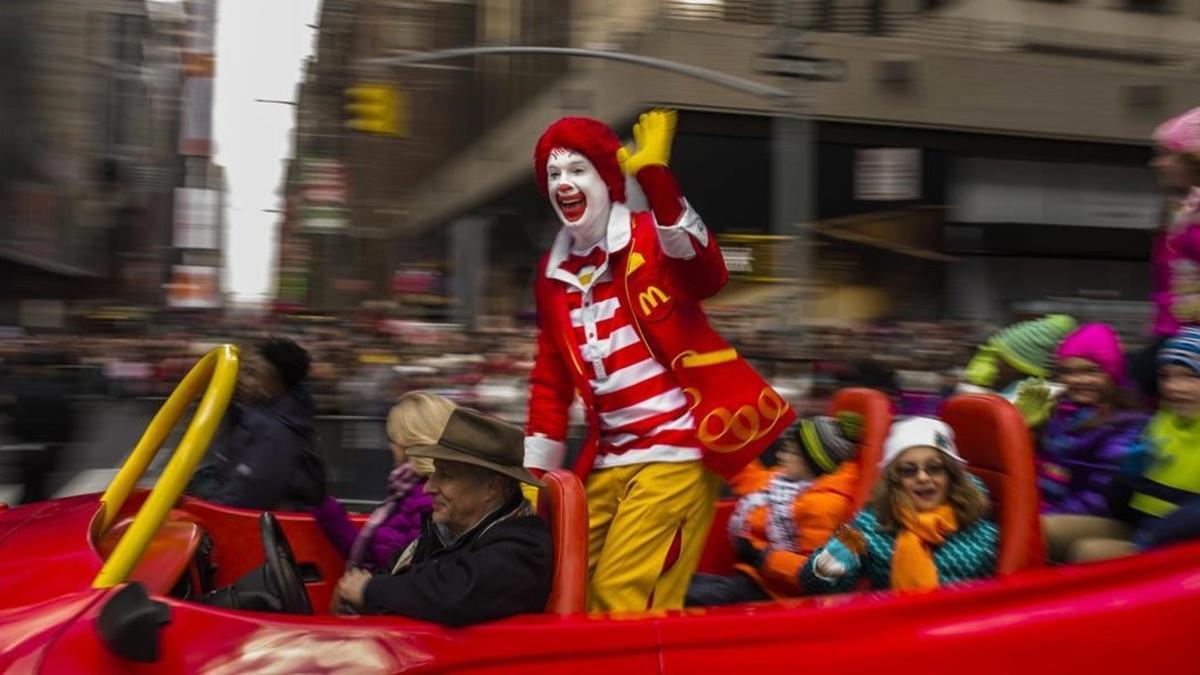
<point>1176,267</point>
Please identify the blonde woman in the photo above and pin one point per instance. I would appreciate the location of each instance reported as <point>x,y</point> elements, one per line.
<point>418,418</point>
<point>926,526</point>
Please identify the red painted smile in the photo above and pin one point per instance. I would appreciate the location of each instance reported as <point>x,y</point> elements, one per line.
<point>572,206</point>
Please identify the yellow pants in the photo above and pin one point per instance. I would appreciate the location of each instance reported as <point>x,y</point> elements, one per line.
<point>634,515</point>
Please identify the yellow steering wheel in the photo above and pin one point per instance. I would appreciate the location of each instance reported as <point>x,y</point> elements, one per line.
<point>216,375</point>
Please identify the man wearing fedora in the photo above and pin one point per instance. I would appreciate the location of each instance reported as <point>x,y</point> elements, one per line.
<point>483,554</point>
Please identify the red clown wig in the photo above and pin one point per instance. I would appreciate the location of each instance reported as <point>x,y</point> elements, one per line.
<point>592,139</point>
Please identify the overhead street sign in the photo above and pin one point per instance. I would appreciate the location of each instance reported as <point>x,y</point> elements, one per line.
<point>801,68</point>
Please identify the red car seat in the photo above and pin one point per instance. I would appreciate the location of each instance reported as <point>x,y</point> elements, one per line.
<point>563,506</point>
<point>876,412</point>
<point>993,438</point>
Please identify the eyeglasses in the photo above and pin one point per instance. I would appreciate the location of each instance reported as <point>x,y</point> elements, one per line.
<point>911,470</point>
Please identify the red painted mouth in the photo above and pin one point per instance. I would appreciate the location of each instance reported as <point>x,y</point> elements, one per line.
<point>571,206</point>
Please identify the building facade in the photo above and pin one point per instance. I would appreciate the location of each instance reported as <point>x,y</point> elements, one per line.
<point>968,158</point>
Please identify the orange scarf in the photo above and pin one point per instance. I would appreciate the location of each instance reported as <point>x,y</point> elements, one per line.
<point>913,568</point>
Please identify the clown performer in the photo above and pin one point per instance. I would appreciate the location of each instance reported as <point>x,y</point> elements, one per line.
<point>670,406</point>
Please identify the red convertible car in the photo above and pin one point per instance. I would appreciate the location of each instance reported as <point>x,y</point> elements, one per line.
<point>108,584</point>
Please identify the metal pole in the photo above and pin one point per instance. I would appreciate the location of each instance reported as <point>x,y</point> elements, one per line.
<point>713,76</point>
<point>792,171</point>
<point>468,256</point>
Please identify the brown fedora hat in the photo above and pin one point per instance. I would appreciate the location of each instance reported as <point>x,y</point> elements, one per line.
<point>471,437</point>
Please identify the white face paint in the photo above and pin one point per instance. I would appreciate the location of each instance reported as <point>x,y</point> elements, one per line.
<point>579,196</point>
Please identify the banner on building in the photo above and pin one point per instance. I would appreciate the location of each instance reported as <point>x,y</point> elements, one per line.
<point>294,251</point>
<point>756,257</point>
<point>987,190</point>
<point>197,218</point>
<point>887,174</point>
<point>417,281</point>
<point>195,127</point>
<point>194,287</point>
<point>42,313</point>
<point>293,287</point>
<point>323,194</point>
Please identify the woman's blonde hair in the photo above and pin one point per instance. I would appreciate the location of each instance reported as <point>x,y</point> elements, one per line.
<point>970,503</point>
<point>418,418</point>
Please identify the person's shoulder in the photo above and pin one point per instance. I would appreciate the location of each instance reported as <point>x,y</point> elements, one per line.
<point>1132,419</point>
<point>842,480</point>
<point>979,484</point>
<point>984,529</point>
<point>416,501</point>
<point>641,219</point>
<point>530,529</point>
<point>526,523</point>
<point>866,521</point>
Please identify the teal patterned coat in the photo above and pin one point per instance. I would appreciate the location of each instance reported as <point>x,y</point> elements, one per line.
<point>965,555</point>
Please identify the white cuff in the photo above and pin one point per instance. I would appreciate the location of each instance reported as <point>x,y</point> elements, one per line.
<point>817,568</point>
<point>676,240</point>
<point>543,453</point>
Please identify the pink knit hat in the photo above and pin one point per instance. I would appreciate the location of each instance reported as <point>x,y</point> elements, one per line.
<point>1099,344</point>
<point>1180,133</point>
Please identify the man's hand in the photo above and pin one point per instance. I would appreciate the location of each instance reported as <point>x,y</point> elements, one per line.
<point>652,136</point>
<point>351,586</point>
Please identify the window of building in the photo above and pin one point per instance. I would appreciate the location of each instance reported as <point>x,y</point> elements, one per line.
<point>128,33</point>
<point>1147,6</point>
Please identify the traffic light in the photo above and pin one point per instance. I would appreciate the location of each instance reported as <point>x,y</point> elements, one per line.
<point>377,109</point>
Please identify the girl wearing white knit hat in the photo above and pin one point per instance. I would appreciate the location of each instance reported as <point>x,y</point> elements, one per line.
<point>926,525</point>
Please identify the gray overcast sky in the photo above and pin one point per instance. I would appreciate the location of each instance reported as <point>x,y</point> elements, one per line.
<point>261,46</point>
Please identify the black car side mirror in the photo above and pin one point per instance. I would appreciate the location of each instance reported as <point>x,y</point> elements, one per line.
<point>130,623</point>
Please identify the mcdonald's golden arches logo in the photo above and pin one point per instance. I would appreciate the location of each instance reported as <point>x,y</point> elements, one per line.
<point>651,298</point>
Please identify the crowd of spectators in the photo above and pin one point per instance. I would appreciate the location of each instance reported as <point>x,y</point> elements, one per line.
<point>359,368</point>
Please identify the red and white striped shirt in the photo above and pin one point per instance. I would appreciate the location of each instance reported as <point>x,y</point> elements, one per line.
<point>644,415</point>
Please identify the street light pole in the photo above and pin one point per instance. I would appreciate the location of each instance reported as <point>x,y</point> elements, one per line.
<point>708,75</point>
<point>792,173</point>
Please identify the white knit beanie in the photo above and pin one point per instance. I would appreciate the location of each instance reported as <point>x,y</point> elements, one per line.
<point>915,432</point>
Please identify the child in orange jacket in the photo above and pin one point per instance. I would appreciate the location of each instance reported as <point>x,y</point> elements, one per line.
<point>786,512</point>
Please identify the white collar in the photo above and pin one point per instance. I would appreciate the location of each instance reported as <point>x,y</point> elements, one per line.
<point>617,238</point>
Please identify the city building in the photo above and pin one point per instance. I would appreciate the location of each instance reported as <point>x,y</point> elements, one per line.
<point>970,159</point>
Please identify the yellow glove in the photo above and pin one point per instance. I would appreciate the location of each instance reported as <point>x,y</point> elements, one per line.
<point>1035,402</point>
<point>652,137</point>
<point>983,369</point>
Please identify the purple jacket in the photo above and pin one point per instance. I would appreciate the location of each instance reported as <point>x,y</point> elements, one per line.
<point>400,529</point>
<point>1076,463</point>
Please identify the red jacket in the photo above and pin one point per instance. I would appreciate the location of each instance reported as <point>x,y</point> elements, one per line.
<point>737,413</point>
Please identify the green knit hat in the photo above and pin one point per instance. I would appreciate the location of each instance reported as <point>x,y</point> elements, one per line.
<point>826,442</point>
<point>1029,346</point>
